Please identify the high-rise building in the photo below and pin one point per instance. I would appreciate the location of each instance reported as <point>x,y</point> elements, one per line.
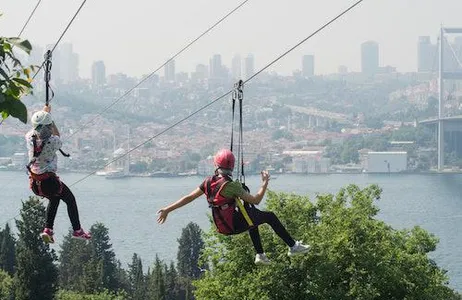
<point>216,70</point>
<point>426,55</point>
<point>169,71</point>
<point>308,65</point>
<point>68,63</point>
<point>342,69</point>
<point>369,57</point>
<point>236,69</point>
<point>98,73</point>
<point>249,66</point>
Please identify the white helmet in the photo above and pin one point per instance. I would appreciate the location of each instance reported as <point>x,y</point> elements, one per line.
<point>41,118</point>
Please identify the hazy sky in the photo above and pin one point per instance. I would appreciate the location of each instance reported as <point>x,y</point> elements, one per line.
<point>136,36</point>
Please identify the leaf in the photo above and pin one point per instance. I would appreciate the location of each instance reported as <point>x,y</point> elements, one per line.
<point>3,73</point>
<point>22,44</point>
<point>23,82</point>
<point>2,98</point>
<point>16,109</point>
<point>7,47</point>
<point>14,90</point>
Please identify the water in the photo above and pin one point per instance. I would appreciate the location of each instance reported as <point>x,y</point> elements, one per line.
<point>128,208</point>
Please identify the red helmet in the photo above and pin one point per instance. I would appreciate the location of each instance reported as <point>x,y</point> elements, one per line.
<point>224,159</point>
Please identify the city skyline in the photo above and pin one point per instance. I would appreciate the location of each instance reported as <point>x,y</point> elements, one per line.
<point>142,42</point>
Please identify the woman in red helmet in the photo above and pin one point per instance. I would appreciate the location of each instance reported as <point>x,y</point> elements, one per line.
<point>221,192</point>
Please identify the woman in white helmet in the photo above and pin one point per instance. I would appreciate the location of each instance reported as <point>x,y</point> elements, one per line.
<point>43,140</point>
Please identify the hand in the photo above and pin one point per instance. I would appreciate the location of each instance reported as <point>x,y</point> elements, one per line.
<point>47,108</point>
<point>162,216</point>
<point>265,177</point>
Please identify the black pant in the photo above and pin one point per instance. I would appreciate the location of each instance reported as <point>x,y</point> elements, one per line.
<point>50,189</point>
<point>259,217</point>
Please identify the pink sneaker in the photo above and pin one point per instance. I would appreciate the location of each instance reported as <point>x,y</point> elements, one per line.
<point>47,236</point>
<point>81,234</point>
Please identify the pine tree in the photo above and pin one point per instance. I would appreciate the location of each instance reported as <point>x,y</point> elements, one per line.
<point>91,267</point>
<point>103,254</point>
<point>171,283</point>
<point>136,278</point>
<point>7,250</point>
<point>156,283</point>
<point>189,249</point>
<point>73,257</point>
<point>36,275</point>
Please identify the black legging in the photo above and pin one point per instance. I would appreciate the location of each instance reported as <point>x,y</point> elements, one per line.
<point>260,217</point>
<point>50,187</point>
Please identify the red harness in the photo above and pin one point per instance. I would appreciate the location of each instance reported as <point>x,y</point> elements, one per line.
<point>35,180</point>
<point>222,208</point>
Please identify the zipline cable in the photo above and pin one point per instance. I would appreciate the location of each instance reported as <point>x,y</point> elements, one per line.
<point>61,36</point>
<point>225,94</point>
<point>162,65</point>
<point>29,18</point>
<point>220,97</point>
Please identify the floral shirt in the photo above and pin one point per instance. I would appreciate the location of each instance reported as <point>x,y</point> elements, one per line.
<point>47,160</point>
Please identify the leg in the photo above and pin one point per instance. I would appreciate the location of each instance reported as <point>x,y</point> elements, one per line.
<point>68,198</point>
<point>240,225</point>
<point>49,188</point>
<point>261,217</point>
<point>52,209</point>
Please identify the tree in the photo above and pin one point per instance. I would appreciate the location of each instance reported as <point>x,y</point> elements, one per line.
<point>189,249</point>
<point>7,250</point>
<point>172,285</point>
<point>104,295</point>
<point>156,281</point>
<point>13,78</point>
<point>6,286</point>
<point>104,257</point>
<point>74,258</point>
<point>136,278</point>
<point>36,275</point>
<point>354,255</point>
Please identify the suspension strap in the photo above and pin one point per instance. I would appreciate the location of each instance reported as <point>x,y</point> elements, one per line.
<point>48,65</point>
<point>48,89</point>
<point>238,94</point>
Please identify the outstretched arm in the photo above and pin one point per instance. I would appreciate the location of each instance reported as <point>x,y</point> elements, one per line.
<point>163,213</point>
<point>54,129</point>
<point>261,192</point>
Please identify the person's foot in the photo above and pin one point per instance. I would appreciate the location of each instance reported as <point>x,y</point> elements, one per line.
<point>47,236</point>
<point>81,234</point>
<point>298,248</point>
<point>261,259</point>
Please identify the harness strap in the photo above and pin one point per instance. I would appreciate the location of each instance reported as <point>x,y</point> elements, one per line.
<point>216,209</point>
<point>37,151</point>
<point>36,179</point>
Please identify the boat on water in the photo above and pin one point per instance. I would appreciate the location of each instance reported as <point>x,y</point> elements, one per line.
<point>116,174</point>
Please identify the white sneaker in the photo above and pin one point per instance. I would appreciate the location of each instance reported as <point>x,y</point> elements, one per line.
<point>261,259</point>
<point>298,248</point>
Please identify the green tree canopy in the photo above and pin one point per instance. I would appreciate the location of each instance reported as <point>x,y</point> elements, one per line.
<point>14,78</point>
<point>36,275</point>
<point>354,255</point>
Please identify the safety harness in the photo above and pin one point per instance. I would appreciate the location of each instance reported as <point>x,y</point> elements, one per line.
<point>36,179</point>
<point>223,208</point>
<point>238,94</point>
